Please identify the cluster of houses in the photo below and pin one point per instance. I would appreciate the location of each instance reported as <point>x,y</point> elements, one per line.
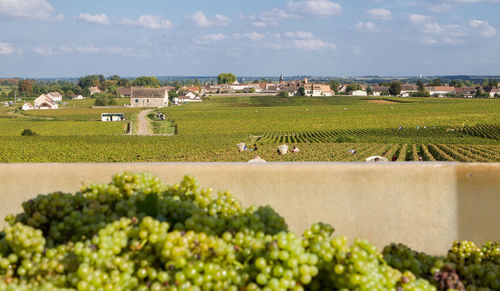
<point>158,97</point>
<point>316,90</point>
<point>44,101</point>
<point>407,89</point>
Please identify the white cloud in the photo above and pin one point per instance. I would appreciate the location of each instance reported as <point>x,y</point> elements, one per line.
<point>102,49</point>
<point>418,18</point>
<point>380,13</point>
<point>365,26</point>
<point>300,40</point>
<point>200,19</point>
<point>483,27</point>
<point>438,7</point>
<point>98,18</point>
<point>453,41</point>
<point>294,9</point>
<point>44,50</point>
<point>250,35</point>
<point>428,40</point>
<point>474,1</point>
<point>210,38</point>
<point>470,29</point>
<point>313,44</point>
<point>269,17</point>
<point>149,21</point>
<point>432,28</point>
<point>314,7</point>
<point>29,9</point>
<point>298,34</point>
<point>6,48</point>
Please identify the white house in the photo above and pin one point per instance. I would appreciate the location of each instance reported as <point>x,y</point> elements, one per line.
<point>45,102</point>
<point>380,91</point>
<point>187,98</point>
<point>407,89</point>
<point>494,91</point>
<point>238,87</point>
<point>358,93</point>
<point>317,90</point>
<point>94,90</point>
<point>27,106</point>
<point>79,97</point>
<point>56,96</point>
<point>440,90</point>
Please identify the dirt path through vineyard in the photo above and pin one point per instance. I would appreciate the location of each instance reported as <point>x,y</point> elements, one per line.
<point>143,122</point>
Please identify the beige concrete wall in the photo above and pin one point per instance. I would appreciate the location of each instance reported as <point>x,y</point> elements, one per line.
<point>424,205</point>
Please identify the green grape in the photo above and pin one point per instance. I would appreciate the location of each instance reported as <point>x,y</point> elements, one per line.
<point>136,233</point>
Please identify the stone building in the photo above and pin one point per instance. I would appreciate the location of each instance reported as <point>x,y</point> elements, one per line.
<point>149,97</point>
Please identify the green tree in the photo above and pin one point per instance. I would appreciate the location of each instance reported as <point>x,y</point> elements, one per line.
<point>353,87</point>
<point>226,78</point>
<point>86,92</point>
<point>369,90</point>
<point>69,94</point>
<point>124,83</point>
<point>108,84</point>
<point>395,88</point>
<point>25,87</point>
<point>301,91</point>
<point>90,80</point>
<point>104,99</point>
<point>479,93</point>
<point>436,82</point>
<point>172,94</point>
<point>152,82</point>
<point>334,85</point>
<point>113,90</point>
<point>420,85</point>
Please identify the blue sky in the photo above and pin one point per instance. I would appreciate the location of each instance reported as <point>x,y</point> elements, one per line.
<point>61,38</point>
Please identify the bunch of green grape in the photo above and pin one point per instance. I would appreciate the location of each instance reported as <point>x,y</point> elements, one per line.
<point>136,233</point>
<point>359,266</point>
<point>467,265</point>
<point>420,264</point>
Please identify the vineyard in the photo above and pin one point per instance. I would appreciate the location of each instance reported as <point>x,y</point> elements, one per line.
<point>325,129</point>
<point>332,136</point>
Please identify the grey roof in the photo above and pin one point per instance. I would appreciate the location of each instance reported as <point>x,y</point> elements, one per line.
<point>149,93</point>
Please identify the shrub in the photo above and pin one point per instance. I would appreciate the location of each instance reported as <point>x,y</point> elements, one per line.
<point>28,132</point>
<point>282,94</point>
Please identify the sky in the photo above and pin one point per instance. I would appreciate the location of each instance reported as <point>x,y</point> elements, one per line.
<point>65,38</point>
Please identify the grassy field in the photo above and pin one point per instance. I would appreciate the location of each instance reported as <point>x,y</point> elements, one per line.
<point>325,129</point>
<point>14,127</point>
